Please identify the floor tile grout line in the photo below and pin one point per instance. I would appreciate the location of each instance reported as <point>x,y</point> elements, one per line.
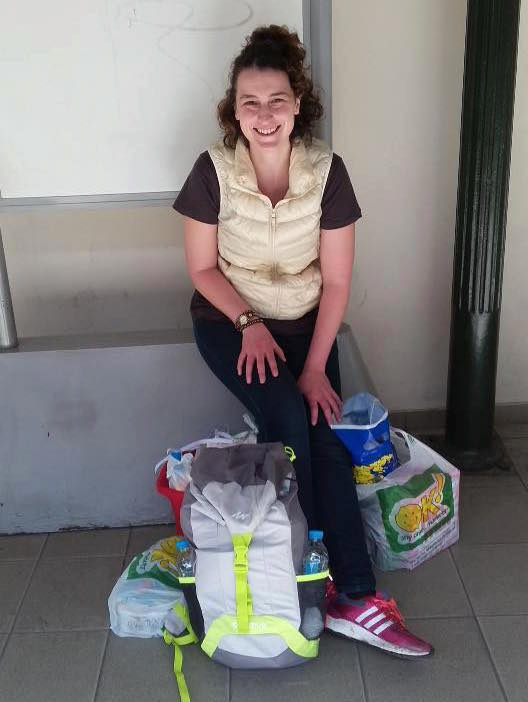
<point>462,583</point>
<point>479,544</point>
<point>517,471</point>
<point>456,617</point>
<point>492,659</point>
<point>14,561</point>
<point>504,616</point>
<point>438,617</point>
<point>506,438</point>
<point>118,554</point>
<point>103,658</point>
<point>129,537</point>
<point>491,482</point>
<point>21,602</point>
<point>362,675</point>
<point>419,618</point>
<point>514,464</point>
<point>107,637</point>
<point>71,630</point>
<point>487,648</point>
<point>522,479</point>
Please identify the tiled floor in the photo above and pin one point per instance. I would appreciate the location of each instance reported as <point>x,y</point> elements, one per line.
<point>471,602</point>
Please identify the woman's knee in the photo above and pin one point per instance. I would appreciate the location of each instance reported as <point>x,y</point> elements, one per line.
<point>326,446</point>
<point>285,418</point>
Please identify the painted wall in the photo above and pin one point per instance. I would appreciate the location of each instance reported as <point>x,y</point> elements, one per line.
<point>77,271</point>
<point>397,88</point>
<point>512,378</point>
<point>397,96</point>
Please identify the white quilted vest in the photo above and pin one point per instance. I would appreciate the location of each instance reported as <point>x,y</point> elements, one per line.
<point>271,254</point>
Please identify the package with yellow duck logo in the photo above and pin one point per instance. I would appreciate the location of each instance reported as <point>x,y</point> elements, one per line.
<point>413,513</point>
<point>146,591</point>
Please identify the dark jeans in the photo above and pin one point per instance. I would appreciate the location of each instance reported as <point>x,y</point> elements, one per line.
<point>327,491</point>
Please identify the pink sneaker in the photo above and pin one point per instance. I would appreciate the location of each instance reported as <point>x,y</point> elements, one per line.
<point>376,621</point>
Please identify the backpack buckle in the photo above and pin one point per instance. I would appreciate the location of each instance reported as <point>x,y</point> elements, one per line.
<point>240,564</point>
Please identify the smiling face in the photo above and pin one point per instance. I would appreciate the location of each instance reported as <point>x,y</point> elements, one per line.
<point>265,107</point>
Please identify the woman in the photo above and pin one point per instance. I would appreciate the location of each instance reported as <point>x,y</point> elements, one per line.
<point>269,218</point>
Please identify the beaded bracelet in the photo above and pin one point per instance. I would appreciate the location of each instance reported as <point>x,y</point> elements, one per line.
<point>256,320</point>
<point>246,319</point>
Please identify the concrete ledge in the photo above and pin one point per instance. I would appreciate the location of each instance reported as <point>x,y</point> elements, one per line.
<point>77,342</point>
<point>83,420</point>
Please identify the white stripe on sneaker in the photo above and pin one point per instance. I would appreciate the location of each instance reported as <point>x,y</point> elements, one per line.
<point>375,620</point>
<point>366,614</point>
<point>383,626</point>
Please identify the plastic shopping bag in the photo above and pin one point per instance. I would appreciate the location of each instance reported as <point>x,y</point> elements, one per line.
<point>146,592</point>
<point>413,513</point>
<point>364,430</point>
<point>178,462</point>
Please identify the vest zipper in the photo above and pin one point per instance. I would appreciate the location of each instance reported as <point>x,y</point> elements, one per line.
<point>273,227</point>
<point>273,223</point>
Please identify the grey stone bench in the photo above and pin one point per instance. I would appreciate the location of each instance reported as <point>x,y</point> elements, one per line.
<point>83,421</point>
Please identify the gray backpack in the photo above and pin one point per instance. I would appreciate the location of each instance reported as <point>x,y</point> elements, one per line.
<point>249,604</point>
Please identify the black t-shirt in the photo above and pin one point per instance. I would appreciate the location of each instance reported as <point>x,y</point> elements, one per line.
<point>199,199</point>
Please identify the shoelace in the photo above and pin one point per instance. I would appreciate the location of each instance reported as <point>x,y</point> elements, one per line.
<point>389,608</point>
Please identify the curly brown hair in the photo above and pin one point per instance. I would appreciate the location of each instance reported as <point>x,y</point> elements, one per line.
<point>272,47</point>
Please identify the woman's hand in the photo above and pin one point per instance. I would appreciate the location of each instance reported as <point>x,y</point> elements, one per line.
<point>318,392</point>
<point>258,346</point>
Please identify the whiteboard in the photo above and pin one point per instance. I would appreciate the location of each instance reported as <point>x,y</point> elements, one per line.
<point>116,96</point>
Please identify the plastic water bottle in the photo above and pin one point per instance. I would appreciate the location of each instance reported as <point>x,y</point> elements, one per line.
<point>312,623</point>
<point>316,557</point>
<point>185,560</point>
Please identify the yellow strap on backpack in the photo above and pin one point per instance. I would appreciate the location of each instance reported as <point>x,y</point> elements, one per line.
<point>290,453</point>
<point>244,607</point>
<point>177,641</point>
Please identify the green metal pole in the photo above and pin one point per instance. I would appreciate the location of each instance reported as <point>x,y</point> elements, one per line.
<point>484,168</point>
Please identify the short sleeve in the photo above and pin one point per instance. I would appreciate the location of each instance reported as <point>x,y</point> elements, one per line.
<point>199,197</point>
<point>339,205</point>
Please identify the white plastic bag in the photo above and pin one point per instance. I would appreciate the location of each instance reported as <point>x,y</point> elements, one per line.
<point>412,514</point>
<point>146,592</point>
<point>179,461</point>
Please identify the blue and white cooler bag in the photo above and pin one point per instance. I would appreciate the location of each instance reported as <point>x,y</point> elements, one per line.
<point>364,430</point>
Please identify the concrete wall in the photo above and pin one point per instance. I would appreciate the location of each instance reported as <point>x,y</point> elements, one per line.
<point>397,97</point>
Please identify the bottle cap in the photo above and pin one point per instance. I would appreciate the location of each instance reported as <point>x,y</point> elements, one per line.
<point>182,545</point>
<point>315,535</point>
